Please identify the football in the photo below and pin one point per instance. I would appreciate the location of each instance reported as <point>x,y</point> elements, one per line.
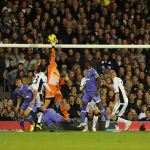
<point>52,38</point>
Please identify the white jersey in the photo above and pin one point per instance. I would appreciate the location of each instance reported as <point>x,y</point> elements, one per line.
<point>122,103</point>
<point>37,82</point>
<point>119,88</point>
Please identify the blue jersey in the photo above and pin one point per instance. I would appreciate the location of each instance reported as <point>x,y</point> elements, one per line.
<point>26,92</point>
<point>91,81</point>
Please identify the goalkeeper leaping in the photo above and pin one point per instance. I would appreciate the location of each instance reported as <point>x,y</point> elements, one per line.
<point>54,81</point>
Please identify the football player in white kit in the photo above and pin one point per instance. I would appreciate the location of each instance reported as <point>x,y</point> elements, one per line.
<point>38,82</point>
<point>94,107</point>
<point>120,103</point>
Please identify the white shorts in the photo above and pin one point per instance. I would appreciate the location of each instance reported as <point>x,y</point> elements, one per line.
<point>91,104</point>
<point>40,99</point>
<point>119,108</point>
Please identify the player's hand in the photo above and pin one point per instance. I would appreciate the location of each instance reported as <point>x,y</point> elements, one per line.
<point>32,102</point>
<point>96,94</point>
<point>53,43</point>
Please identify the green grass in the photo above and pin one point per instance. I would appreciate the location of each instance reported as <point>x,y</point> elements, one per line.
<point>75,140</point>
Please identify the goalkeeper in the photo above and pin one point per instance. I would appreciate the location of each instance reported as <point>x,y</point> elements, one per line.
<point>54,82</point>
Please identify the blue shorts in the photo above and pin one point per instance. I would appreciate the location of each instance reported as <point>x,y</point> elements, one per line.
<point>50,117</point>
<point>89,96</point>
<point>26,105</point>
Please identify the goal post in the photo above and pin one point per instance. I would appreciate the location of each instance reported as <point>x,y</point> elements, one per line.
<point>72,46</point>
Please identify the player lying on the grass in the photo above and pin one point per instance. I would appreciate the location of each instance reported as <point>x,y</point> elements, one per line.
<point>50,117</point>
<point>54,82</point>
<point>28,95</point>
<point>38,82</point>
<point>91,108</point>
<point>92,88</point>
<point>120,103</point>
<point>91,105</point>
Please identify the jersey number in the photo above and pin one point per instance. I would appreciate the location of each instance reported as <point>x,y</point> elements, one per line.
<point>35,80</point>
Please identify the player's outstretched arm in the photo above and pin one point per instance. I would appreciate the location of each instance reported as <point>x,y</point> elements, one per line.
<point>52,58</point>
<point>35,95</point>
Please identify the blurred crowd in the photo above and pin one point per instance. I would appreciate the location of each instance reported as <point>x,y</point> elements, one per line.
<point>78,22</point>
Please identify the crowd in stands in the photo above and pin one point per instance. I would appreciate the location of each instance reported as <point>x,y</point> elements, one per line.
<point>78,22</point>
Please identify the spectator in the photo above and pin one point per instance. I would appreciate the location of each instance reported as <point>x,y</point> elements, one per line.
<point>108,111</point>
<point>139,106</point>
<point>139,56</point>
<point>12,75</point>
<point>63,62</point>
<point>15,55</point>
<point>135,116</point>
<point>105,63</point>
<point>147,118</point>
<point>132,101</point>
<point>147,87</point>
<point>128,86</point>
<point>143,112</point>
<point>130,116</point>
<point>78,60</point>
<point>23,61</point>
<point>37,61</point>
<point>72,112</point>
<point>1,107</point>
<point>7,60</point>
<point>10,105</point>
<point>29,56</point>
<point>5,100</point>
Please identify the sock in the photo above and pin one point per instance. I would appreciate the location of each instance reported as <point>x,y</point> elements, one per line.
<point>39,115</point>
<point>83,113</point>
<point>122,120</point>
<point>30,119</point>
<point>64,111</point>
<point>95,119</point>
<point>102,109</point>
<point>116,125</point>
<point>21,121</point>
<point>86,121</point>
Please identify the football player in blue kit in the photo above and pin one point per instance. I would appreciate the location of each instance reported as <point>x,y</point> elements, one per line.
<point>91,92</point>
<point>28,95</point>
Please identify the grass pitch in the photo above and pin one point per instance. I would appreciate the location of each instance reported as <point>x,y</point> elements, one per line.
<point>75,140</point>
